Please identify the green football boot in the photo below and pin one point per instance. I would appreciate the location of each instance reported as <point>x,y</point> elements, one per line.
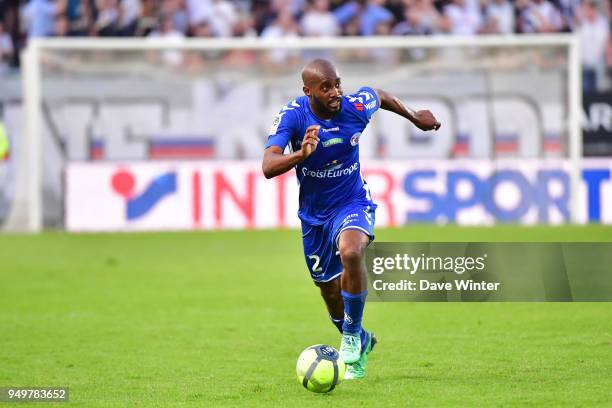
<point>357,369</point>
<point>350,348</point>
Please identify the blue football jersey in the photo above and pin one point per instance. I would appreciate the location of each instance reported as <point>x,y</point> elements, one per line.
<point>330,178</point>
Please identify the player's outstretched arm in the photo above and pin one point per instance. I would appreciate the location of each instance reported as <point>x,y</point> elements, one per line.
<point>276,163</point>
<point>422,119</point>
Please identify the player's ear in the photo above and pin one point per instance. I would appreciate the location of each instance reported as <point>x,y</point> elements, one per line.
<point>306,90</point>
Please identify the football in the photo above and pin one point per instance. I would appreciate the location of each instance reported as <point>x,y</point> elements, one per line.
<point>319,368</point>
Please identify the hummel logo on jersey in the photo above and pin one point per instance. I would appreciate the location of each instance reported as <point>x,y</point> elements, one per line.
<point>334,129</point>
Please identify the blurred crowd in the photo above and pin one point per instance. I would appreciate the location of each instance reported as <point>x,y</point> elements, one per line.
<point>23,19</point>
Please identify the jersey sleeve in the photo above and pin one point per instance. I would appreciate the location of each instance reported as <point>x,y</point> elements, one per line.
<point>365,102</point>
<point>282,129</point>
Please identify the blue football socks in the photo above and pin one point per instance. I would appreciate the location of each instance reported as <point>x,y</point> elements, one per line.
<point>363,334</point>
<point>353,312</point>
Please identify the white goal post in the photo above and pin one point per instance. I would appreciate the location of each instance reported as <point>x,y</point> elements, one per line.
<point>27,213</point>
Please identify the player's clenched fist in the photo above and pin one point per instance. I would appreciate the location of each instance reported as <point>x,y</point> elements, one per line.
<point>425,120</point>
<point>310,141</point>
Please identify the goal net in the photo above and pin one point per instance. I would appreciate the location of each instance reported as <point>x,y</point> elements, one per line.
<point>104,120</point>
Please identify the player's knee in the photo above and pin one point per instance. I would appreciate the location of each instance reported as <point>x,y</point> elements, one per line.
<point>351,253</point>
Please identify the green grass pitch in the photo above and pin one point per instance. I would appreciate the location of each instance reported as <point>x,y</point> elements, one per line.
<point>219,319</point>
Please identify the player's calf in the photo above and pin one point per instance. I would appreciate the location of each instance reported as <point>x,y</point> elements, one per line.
<point>330,292</point>
<point>352,243</point>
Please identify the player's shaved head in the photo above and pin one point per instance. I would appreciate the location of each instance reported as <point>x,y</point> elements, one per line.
<point>322,86</point>
<point>316,70</point>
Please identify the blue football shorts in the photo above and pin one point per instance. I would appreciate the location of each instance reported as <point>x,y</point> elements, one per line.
<point>321,241</point>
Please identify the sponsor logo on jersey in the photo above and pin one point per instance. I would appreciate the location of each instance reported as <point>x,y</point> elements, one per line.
<point>330,173</point>
<point>332,142</point>
<point>355,139</point>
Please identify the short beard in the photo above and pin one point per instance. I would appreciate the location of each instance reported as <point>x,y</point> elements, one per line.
<point>323,108</point>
